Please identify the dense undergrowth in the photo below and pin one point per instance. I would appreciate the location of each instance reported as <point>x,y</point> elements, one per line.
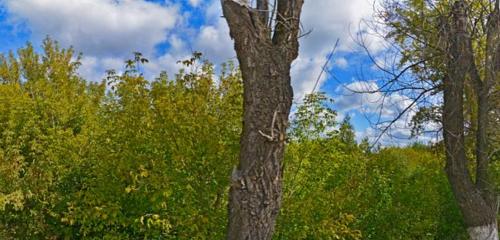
<point>134,158</point>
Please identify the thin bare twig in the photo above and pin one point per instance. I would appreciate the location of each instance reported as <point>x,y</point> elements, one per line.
<point>323,69</point>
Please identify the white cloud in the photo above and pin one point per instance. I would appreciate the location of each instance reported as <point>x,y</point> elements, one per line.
<point>194,3</point>
<point>363,96</point>
<point>396,136</point>
<point>87,69</point>
<point>98,27</point>
<point>385,63</point>
<point>341,63</point>
<point>213,40</point>
<point>328,20</point>
<point>94,68</point>
<point>355,96</point>
<point>107,30</point>
<point>167,62</point>
<point>305,73</point>
<point>332,19</point>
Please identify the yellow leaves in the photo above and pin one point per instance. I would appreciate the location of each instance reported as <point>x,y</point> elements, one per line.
<point>129,189</point>
<point>155,221</point>
<point>143,172</point>
<point>69,221</point>
<point>349,218</point>
<point>167,193</point>
<point>15,199</point>
<point>137,177</point>
<point>340,228</point>
<point>117,154</point>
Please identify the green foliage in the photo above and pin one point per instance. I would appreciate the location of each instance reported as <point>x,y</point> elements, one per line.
<point>410,197</point>
<point>417,27</point>
<point>125,158</point>
<point>346,132</point>
<point>130,158</point>
<point>314,119</point>
<point>335,189</point>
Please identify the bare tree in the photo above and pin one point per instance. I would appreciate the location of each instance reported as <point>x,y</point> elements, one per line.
<point>265,53</point>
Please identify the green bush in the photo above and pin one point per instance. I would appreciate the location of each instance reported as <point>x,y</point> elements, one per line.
<point>129,158</point>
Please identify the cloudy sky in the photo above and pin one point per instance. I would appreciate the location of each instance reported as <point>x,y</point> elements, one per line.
<point>108,31</point>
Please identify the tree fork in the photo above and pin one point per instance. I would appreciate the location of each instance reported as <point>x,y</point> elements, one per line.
<point>478,211</point>
<point>265,58</point>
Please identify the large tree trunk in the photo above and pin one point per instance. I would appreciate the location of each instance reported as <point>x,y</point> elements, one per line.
<point>475,200</point>
<point>265,58</point>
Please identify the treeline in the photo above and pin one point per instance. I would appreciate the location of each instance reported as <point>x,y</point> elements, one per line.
<point>133,158</point>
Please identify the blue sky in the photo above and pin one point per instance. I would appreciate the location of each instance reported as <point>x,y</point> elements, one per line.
<point>108,31</point>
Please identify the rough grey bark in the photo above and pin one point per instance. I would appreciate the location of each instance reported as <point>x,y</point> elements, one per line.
<point>483,232</point>
<point>476,200</point>
<point>265,56</point>
<point>485,92</point>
